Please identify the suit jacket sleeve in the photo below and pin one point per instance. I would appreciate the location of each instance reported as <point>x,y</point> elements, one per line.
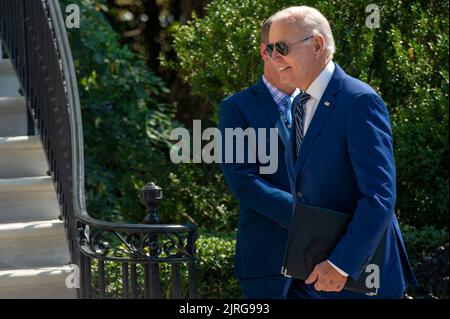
<point>243,178</point>
<point>370,150</point>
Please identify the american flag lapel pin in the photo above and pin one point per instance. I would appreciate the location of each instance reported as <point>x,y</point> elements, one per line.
<point>327,104</point>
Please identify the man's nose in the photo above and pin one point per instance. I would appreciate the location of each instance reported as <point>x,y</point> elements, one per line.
<point>276,55</point>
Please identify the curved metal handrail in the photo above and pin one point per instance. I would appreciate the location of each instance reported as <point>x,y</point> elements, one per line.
<point>79,201</point>
<point>89,238</point>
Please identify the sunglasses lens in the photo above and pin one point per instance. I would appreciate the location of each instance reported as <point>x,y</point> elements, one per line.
<point>269,49</point>
<point>282,48</point>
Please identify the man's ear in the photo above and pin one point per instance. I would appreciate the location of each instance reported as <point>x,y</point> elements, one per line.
<point>319,44</point>
<point>262,52</point>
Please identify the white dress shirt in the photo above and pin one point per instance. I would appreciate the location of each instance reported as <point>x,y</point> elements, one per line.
<point>316,90</point>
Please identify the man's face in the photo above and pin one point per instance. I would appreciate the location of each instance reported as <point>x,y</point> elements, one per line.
<point>271,71</point>
<point>296,67</point>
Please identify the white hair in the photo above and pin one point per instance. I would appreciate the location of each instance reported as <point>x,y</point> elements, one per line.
<point>309,20</point>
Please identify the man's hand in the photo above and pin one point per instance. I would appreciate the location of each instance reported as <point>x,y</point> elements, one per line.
<point>326,278</point>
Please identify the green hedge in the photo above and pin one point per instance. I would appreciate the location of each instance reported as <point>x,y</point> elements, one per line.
<point>421,242</point>
<point>406,60</point>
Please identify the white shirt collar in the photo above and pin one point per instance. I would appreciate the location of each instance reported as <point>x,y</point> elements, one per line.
<point>294,94</point>
<point>317,88</point>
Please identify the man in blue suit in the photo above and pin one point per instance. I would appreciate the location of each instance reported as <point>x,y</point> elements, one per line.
<point>265,199</point>
<point>340,156</point>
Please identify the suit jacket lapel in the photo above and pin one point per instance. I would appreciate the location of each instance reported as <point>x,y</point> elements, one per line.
<point>283,131</point>
<point>269,106</point>
<point>323,111</point>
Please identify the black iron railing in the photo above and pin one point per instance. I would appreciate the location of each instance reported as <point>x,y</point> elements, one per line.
<point>34,36</point>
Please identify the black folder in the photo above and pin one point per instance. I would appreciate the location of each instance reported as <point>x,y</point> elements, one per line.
<point>313,234</point>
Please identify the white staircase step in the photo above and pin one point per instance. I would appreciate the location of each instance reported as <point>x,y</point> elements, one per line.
<point>39,283</point>
<point>13,116</point>
<point>22,156</point>
<point>9,84</point>
<point>27,199</point>
<point>6,66</point>
<point>33,244</point>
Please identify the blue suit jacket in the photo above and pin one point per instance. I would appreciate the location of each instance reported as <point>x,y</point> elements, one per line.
<point>265,200</point>
<point>346,163</point>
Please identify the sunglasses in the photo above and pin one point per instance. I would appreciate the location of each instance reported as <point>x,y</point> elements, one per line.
<point>282,47</point>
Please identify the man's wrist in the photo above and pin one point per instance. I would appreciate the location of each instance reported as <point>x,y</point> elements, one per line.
<point>339,270</point>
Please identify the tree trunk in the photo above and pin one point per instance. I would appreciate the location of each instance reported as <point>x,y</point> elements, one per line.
<point>152,33</point>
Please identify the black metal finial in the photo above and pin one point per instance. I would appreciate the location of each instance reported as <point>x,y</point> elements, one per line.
<point>150,195</point>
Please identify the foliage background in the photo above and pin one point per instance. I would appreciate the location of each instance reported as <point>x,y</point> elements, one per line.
<point>130,103</point>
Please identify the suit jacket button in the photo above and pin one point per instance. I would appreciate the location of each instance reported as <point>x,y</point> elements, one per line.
<point>299,194</point>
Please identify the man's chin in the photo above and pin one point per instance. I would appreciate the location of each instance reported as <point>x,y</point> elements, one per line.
<point>287,80</point>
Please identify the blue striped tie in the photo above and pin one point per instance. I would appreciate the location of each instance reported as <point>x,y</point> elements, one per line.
<point>299,114</point>
<point>285,109</point>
